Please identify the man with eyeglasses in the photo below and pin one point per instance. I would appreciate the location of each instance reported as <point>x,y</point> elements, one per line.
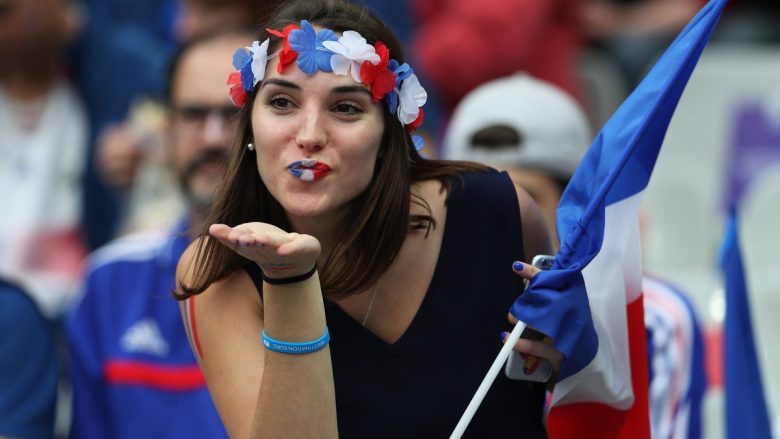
<point>132,368</point>
<point>135,159</point>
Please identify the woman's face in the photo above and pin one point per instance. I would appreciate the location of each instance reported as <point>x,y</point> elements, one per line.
<point>316,140</point>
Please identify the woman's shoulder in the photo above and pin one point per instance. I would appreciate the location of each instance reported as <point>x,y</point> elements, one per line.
<point>185,269</point>
<point>456,175</point>
<point>483,187</point>
<point>470,191</point>
<point>491,197</point>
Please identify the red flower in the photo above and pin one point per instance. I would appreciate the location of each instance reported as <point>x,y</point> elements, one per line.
<point>287,54</point>
<point>378,77</point>
<point>417,122</point>
<point>237,93</point>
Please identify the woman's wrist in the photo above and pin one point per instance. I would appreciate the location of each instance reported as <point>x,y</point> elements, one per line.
<point>284,276</point>
<point>293,307</point>
<point>296,347</point>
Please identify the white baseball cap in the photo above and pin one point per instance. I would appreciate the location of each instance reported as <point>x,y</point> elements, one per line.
<point>552,130</point>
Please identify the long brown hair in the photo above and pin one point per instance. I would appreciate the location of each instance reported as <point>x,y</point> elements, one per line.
<point>381,213</point>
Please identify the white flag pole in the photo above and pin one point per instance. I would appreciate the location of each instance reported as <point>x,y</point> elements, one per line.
<point>495,368</point>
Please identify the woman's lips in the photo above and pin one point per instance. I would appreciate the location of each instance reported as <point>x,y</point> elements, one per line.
<point>308,169</point>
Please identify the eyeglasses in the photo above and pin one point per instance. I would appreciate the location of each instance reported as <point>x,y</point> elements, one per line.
<point>198,114</point>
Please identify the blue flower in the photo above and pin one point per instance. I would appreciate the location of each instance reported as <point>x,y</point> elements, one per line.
<point>392,101</point>
<point>241,57</point>
<point>247,78</point>
<point>402,71</point>
<point>312,55</point>
<point>242,61</point>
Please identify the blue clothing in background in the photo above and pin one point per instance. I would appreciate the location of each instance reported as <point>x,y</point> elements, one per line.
<point>398,16</point>
<point>28,367</point>
<point>132,369</point>
<point>675,353</point>
<point>121,56</point>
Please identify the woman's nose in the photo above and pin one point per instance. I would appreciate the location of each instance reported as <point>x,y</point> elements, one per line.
<point>311,134</point>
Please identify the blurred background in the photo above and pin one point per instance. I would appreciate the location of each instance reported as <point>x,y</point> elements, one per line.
<point>723,145</point>
<point>83,114</point>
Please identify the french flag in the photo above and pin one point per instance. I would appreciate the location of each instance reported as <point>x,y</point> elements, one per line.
<point>590,302</point>
<point>746,413</point>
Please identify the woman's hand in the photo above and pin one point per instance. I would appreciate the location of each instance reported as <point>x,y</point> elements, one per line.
<point>278,253</point>
<point>542,349</point>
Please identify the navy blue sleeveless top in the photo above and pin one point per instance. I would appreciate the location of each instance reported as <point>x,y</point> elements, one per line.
<point>420,385</point>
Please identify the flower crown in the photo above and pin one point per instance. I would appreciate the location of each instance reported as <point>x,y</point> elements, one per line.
<point>326,51</point>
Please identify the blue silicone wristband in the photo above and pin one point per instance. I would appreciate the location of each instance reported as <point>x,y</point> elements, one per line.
<point>287,347</point>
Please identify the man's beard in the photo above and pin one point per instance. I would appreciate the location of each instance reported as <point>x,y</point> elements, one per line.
<point>200,202</point>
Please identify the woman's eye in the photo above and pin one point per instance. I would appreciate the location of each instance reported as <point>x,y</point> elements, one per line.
<point>347,107</point>
<point>280,102</point>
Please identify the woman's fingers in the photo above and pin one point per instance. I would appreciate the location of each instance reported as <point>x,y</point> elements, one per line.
<point>301,245</point>
<point>526,271</point>
<point>220,231</point>
<point>542,349</point>
<point>267,245</point>
<point>535,347</point>
<point>249,235</point>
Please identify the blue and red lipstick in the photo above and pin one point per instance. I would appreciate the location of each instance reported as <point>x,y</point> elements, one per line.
<point>308,169</point>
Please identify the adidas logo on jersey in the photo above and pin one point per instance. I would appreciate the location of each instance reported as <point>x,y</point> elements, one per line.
<point>145,337</point>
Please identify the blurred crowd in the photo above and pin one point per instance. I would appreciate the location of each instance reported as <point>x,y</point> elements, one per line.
<point>113,128</point>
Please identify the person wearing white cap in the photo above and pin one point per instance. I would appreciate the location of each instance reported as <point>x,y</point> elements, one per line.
<point>528,127</point>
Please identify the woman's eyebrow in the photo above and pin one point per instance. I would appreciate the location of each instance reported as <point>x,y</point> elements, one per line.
<point>350,89</point>
<point>344,89</point>
<point>281,83</point>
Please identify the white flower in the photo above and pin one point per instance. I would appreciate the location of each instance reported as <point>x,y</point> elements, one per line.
<point>351,50</point>
<point>259,60</point>
<point>411,97</point>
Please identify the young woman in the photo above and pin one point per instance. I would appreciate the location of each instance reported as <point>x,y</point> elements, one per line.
<point>347,286</point>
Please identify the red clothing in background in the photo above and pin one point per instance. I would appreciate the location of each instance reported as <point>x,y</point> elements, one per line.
<point>460,44</point>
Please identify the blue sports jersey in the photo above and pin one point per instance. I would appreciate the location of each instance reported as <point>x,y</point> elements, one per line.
<point>676,361</point>
<point>28,367</point>
<point>133,372</point>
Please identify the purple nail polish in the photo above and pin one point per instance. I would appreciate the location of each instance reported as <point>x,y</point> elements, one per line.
<point>504,335</point>
<point>517,265</point>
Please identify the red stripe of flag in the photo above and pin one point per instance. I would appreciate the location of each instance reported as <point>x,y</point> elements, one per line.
<point>604,421</point>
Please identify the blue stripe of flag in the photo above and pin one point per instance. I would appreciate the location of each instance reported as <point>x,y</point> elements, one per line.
<point>746,413</point>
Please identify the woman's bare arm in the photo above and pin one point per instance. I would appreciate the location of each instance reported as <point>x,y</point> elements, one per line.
<point>260,393</point>
<point>537,239</point>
